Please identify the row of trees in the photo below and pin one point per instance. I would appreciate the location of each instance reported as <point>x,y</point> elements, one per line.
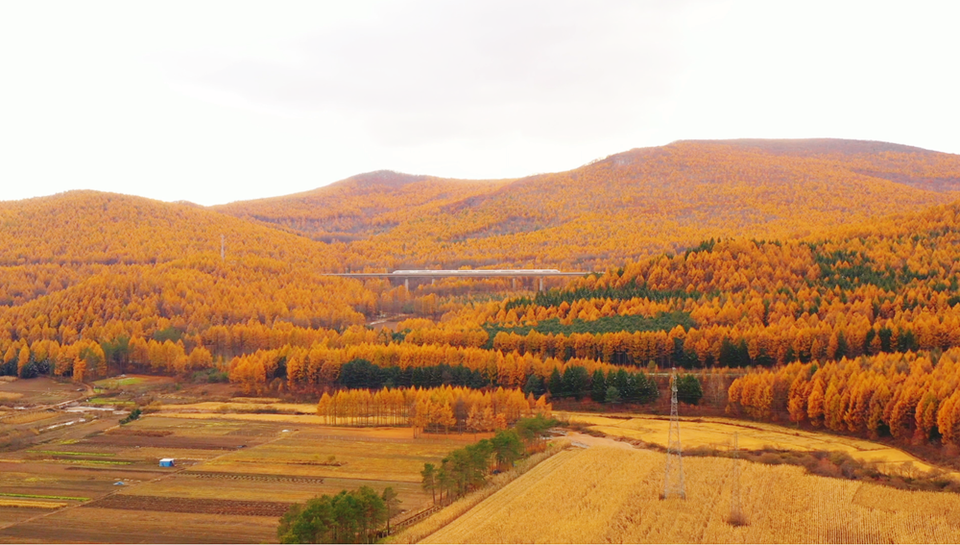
<point>87,358</point>
<point>742,345</point>
<point>363,374</point>
<point>576,382</point>
<point>359,516</point>
<point>320,365</point>
<point>912,396</point>
<point>467,468</point>
<point>434,409</point>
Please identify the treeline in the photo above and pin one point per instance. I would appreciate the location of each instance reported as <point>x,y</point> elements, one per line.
<point>363,374</point>
<point>573,381</point>
<point>731,347</point>
<point>911,397</point>
<point>86,358</point>
<point>576,382</point>
<point>436,409</point>
<point>663,321</point>
<point>320,366</point>
<point>556,298</point>
<point>467,468</point>
<point>423,367</point>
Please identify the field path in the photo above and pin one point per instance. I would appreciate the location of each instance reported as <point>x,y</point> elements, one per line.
<point>593,440</point>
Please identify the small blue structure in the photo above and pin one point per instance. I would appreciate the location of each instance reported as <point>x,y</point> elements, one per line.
<point>166,462</point>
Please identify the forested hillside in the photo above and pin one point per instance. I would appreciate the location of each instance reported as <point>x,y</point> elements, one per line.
<point>794,258</point>
<point>641,202</point>
<point>85,268</point>
<point>360,206</point>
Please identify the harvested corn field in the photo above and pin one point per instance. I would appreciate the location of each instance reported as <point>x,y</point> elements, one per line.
<point>611,495</point>
<point>716,433</point>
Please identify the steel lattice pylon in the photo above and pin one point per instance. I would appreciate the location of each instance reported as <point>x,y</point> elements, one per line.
<point>673,479</point>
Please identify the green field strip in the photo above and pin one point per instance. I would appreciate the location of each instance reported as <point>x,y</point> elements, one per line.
<point>68,453</point>
<point>42,497</point>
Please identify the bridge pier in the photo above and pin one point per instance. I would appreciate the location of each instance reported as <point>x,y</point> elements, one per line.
<point>406,283</point>
<point>541,283</point>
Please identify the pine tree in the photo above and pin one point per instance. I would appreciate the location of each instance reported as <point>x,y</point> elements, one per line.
<point>534,385</point>
<point>599,387</point>
<point>575,381</point>
<point>556,383</point>
<point>689,390</point>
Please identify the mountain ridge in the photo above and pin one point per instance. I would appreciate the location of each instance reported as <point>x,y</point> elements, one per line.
<point>654,199</point>
<point>625,206</point>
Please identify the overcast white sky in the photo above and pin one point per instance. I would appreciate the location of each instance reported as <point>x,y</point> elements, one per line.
<point>214,102</point>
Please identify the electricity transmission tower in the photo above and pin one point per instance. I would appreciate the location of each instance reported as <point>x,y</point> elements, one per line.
<point>673,480</point>
<point>736,516</point>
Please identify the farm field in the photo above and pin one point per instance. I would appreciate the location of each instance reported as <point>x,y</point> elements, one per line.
<point>91,524</point>
<point>244,405</point>
<point>715,432</point>
<point>234,477</point>
<point>611,495</point>
<point>381,454</point>
<point>40,391</point>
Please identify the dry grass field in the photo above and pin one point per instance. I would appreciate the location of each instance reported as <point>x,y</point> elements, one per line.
<point>292,419</point>
<point>37,391</point>
<point>611,495</point>
<point>717,433</point>
<point>537,466</point>
<point>241,405</point>
<point>384,454</point>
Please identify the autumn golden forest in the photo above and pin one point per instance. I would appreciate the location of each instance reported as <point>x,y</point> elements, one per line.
<point>810,283</point>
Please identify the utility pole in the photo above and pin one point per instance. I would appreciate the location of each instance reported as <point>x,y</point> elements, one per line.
<point>673,478</point>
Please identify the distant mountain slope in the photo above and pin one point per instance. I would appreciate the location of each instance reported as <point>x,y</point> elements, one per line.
<point>85,259</point>
<point>630,204</point>
<point>86,227</point>
<point>907,165</point>
<point>359,206</point>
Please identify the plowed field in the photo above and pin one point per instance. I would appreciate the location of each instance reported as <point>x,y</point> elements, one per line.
<point>192,505</point>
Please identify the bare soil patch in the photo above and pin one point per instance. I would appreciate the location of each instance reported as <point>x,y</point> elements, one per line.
<point>253,477</point>
<point>41,391</point>
<point>92,525</point>
<point>169,441</point>
<point>192,505</point>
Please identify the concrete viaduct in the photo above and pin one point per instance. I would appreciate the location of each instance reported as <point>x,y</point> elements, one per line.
<point>406,275</point>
